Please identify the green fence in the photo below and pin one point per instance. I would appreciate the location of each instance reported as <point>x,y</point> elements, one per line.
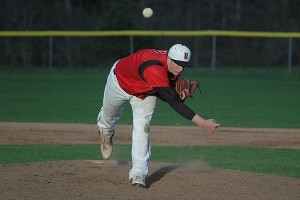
<point>131,34</point>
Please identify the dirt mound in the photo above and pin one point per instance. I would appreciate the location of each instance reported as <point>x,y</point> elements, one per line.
<point>109,179</point>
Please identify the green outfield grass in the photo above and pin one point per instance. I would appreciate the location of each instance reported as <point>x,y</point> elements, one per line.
<point>234,97</point>
<point>243,97</point>
<point>283,162</point>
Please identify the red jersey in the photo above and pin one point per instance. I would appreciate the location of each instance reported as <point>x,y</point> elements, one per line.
<point>142,71</point>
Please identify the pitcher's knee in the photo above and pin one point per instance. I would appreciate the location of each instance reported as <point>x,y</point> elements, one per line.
<point>142,127</point>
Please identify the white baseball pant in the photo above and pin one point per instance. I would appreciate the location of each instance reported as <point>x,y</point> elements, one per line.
<point>114,100</point>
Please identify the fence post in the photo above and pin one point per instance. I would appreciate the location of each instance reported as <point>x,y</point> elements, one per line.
<point>290,55</point>
<point>50,53</point>
<point>131,44</point>
<point>213,52</point>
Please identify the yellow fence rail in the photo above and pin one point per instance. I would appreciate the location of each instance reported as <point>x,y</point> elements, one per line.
<point>157,33</point>
<point>149,33</point>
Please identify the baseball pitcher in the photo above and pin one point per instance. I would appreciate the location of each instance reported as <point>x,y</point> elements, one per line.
<point>140,79</point>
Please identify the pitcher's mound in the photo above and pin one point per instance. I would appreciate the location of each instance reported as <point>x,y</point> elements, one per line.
<point>109,180</point>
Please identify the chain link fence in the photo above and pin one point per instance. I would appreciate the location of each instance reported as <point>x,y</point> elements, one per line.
<point>73,49</point>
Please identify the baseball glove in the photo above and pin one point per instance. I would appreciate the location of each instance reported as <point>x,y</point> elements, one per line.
<point>188,87</point>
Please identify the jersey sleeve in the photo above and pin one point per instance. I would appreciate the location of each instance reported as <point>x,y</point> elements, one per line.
<point>168,95</point>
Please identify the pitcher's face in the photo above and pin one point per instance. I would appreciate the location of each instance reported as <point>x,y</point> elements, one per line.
<point>174,68</point>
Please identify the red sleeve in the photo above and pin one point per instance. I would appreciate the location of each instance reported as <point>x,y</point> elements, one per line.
<point>156,76</point>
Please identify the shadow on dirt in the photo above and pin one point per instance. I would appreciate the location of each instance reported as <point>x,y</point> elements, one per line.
<point>159,174</point>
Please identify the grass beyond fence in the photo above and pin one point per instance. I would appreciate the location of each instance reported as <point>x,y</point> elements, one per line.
<point>235,97</point>
<point>245,97</point>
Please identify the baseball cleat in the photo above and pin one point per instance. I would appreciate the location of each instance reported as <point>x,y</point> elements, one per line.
<point>138,181</point>
<point>106,145</point>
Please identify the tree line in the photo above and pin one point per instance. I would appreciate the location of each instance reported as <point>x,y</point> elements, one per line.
<point>255,15</point>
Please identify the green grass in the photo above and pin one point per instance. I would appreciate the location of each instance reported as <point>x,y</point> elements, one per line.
<point>58,96</point>
<point>247,97</point>
<point>244,97</point>
<point>283,162</point>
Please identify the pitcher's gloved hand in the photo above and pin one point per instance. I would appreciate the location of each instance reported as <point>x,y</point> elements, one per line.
<point>186,88</point>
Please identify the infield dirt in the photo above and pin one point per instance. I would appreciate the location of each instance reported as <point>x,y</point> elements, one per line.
<point>97,179</point>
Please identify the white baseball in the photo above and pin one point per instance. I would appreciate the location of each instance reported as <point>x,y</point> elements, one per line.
<point>147,12</point>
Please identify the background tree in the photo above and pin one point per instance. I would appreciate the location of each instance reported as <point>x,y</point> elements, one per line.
<point>256,15</point>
